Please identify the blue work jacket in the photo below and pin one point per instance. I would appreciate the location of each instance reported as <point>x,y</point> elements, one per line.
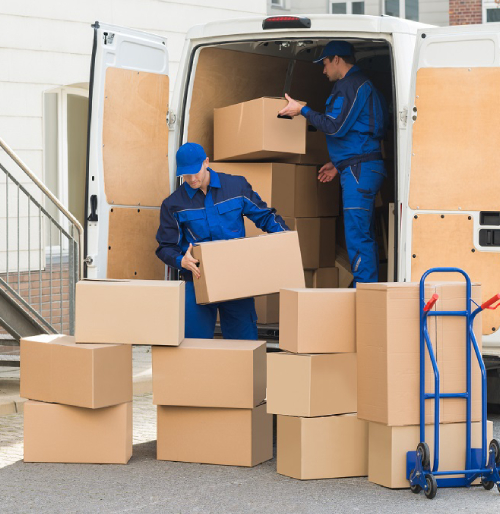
<point>188,216</point>
<point>354,122</point>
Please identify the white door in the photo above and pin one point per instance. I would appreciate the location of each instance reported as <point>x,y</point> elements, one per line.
<point>127,176</point>
<point>451,212</point>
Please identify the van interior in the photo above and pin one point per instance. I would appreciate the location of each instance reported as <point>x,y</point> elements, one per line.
<point>227,74</point>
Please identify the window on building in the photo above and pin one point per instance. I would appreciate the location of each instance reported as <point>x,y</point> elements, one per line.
<point>278,3</point>
<point>491,11</point>
<point>402,9</point>
<point>347,7</point>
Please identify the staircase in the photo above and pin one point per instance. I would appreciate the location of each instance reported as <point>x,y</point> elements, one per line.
<point>41,246</point>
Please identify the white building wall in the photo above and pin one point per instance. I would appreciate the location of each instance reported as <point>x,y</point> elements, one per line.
<point>47,44</point>
<point>434,12</point>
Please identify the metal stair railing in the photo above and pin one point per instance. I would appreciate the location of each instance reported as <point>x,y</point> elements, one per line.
<point>42,262</point>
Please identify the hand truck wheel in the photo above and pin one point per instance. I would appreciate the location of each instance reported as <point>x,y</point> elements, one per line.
<point>495,446</point>
<point>415,488</point>
<point>487,485</point>
<point>432,487</point>
<point>425,455</point>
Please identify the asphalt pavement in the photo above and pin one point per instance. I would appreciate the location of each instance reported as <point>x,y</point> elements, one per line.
<point>147,485</point>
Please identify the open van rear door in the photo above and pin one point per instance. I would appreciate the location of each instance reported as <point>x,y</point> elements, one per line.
<point>451,213</point>
<point>127,161</point>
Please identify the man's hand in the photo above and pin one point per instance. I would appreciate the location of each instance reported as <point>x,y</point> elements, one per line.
<point>292,109</point>
<point>327,172</point>
<point>190,263</point>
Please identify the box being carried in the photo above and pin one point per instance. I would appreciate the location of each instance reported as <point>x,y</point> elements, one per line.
<point>55,369</point>
<point>254,266</point>
<point>147,312</point>
<point>252,130</point>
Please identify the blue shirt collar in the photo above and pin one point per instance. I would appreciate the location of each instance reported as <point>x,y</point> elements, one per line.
<point>214,182</point>
<point>354,69</point>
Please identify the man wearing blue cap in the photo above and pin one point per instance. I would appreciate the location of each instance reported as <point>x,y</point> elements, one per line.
<point>354,122</point>
<point>210,206</point>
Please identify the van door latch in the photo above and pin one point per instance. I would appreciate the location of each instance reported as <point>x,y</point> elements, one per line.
<point>93,209</point>
<point>108,38</point>
<point>171,119</point>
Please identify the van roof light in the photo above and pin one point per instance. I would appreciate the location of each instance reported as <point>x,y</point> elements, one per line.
<point>286,22</point>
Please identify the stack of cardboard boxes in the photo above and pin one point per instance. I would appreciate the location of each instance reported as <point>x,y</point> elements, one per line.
<point>388,346</point>
<point>80,388</point>
<point>279,158</point>
<point>210,396</point>
<point>311,386</point>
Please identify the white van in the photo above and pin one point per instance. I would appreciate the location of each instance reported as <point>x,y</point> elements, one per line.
<point>443,153</point>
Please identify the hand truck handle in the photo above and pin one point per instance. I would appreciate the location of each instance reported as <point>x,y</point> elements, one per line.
<point>491,301</point>
<point>430,304</point>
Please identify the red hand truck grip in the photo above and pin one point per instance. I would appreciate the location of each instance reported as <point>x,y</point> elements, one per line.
<point>491,301</point>
<point>430,304</point>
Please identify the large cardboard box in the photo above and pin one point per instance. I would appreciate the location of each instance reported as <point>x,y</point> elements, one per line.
<point>311,385</point>
<point>55,369</point>
<point>147,312</point>
<point>268,308</point>
<point>316,149</point>
<point>293,190</point>
<point>252,130</point>
<point>308,230</point>
<point>232,437</point>
<point>62,433</point>
<point>241,268</point>
<point>318,320</point>
<point>323,447</point>
<point>210,373</point>
<point>388,346</point>
<point>388,447</point>
<point>316,239</point>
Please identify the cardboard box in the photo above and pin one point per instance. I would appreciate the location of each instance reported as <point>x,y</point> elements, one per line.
<point>311,385</point>
<point>325,278</point>
<point>293,190</point>
<point>308,230</point>
<point>252,130</point>
<point>388,346</point>
<point>232,437</point>
<point>268,308</point>
<point>316,239</point>
<point>388,447</point>
<point>316,149</point>
<point>55,369</point>
<point>130,312</point>
<point>62,433</point>
<point>241,268</point>
<point>318,320</point>
<point>210,373</point>
<point>324,447</point>
<point>309,278</point>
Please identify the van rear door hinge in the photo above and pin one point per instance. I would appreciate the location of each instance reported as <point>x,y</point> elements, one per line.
<point>403,116</point>
<point>108,38</point>
<point>171,119</point>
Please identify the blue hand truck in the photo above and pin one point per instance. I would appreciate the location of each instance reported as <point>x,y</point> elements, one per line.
<point>484,462</point>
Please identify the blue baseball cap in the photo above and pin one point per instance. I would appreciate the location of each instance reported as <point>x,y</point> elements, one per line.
<point>340,48</point>
<point>189,158</point>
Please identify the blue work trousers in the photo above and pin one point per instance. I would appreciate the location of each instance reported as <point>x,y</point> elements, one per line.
<point>360,184</point>
<point>238,318</point>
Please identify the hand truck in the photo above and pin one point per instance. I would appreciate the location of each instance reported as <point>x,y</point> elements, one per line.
<point>483,463</point>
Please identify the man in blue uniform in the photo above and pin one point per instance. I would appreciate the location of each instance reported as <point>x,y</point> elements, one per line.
<point>354,122</point>
<point>210,206</point>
